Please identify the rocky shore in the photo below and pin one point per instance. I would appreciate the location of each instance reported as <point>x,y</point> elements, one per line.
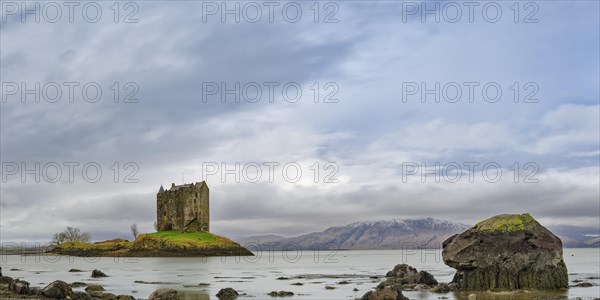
<point>19,289</point>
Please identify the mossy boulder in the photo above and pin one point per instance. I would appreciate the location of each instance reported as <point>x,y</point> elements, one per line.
<point>506,252</point>
<point>58,290</point>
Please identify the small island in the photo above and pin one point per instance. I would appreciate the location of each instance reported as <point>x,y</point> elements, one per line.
<point>182,223</point>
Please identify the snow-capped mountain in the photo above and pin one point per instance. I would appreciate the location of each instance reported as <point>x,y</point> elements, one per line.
<point>387,234</point>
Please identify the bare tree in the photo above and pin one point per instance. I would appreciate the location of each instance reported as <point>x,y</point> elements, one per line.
<point>71,235</point>
<point>58,238</point>
<point>134,230</point>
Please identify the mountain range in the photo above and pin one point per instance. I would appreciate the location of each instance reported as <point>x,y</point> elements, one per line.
<point>426,233</point>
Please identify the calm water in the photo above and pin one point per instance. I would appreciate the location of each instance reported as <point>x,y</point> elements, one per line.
<point>201,278</point>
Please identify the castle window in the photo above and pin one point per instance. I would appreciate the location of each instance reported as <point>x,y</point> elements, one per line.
<point>194,200</point>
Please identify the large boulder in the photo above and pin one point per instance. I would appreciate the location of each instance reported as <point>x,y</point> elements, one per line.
<point>506,252</point>
<point>58,290</point>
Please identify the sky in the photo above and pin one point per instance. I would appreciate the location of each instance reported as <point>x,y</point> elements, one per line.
<point>369,101</point>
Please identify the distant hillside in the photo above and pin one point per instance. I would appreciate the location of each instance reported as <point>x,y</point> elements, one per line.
<point>577,237</point>
<point>393,234</point>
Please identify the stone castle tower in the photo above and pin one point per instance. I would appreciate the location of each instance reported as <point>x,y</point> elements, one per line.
<point>183,208</point>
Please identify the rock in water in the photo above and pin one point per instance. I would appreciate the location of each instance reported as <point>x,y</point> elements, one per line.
<point>164,294</point>
<point>98,273</point>
<point>227,294</point>
<point>75,270</point>
<point>384,293</point>
<point>94,288</point>
<point>58,290</point>
<point>506,252</point>
<point>282,293</point>
<point>402,271</point>
<point>404,274</point>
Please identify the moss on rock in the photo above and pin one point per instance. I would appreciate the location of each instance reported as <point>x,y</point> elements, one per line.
<point>507,223</point>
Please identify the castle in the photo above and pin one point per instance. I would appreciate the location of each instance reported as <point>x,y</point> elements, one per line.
<point>183,208</point>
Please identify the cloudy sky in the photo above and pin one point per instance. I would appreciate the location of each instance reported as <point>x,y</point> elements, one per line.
<point>357,143</point>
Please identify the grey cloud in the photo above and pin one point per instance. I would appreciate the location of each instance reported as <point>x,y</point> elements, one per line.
<point>369,133</point>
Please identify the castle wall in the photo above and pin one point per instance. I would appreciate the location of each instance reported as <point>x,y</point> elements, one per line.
<point>204,210</point>
<point>184,208</point>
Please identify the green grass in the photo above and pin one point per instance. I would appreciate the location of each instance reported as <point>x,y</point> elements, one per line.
<point>177,236</point>
<point>176,239</point>
<point>507,223</point>
<point>103,246</point>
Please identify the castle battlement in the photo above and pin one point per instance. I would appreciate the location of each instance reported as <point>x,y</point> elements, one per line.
<point>183,207</point>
